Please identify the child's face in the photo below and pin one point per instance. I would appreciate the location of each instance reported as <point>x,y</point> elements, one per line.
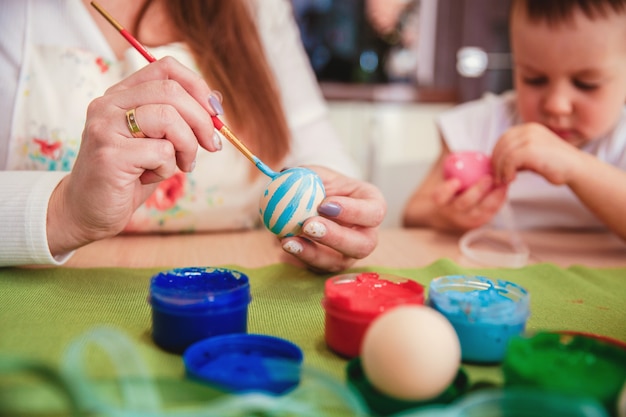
<point>571,77</point>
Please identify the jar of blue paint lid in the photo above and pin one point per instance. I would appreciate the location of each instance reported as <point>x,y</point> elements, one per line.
<point>192,304</point>
<point>240,363</point>
<point>485,313</point>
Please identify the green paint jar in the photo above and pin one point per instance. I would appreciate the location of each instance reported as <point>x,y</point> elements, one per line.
<point>573,364</point>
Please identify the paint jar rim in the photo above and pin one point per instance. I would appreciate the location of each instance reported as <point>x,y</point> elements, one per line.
<point>346,306</point>
<point>443,294</point>
<point>194,289</point>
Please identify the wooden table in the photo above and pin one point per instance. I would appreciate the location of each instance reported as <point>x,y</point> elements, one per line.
<point>399,248</point>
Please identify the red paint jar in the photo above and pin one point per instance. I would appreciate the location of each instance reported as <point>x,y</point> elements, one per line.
<point>352,301</point>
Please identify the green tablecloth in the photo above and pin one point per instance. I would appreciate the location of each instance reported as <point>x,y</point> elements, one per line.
<point>43,310</point>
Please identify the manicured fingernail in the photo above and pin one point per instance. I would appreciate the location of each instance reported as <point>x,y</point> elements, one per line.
<point>315,229</point>
<point>217,141</point>
<point>293,247</point>
<point>329,209</point>
<point>193,166</point>
<point>215,102</point>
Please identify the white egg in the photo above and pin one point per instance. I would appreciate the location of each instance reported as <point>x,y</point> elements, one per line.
<point>411,353</point>
<point>290,198</point>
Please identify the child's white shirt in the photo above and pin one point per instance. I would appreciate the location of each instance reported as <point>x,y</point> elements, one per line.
<point>536,203</point>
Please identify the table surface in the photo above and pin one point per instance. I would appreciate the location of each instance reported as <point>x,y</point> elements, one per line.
<point>57,304</point>
<point>398,248</point>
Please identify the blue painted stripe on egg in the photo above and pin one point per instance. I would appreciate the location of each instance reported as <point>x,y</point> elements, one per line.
<point>318,185</point>
<point>292,206</point>
<point>279,194</point>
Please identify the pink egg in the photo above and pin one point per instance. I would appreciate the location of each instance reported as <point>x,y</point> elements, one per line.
<point>468,167</point>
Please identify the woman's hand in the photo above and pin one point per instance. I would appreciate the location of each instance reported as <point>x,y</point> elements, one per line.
<point>114,171</point>
<point>345,230</point>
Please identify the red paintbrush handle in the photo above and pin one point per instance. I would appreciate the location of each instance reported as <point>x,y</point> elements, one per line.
<point>143,51</point>
<point>217,122</point>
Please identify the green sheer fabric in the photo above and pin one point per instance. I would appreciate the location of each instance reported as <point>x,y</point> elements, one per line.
<point>42,311</point>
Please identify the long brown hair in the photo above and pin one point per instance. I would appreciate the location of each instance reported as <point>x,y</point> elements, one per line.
<point>225,42</point>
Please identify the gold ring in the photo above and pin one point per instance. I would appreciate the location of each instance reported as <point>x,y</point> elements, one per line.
<point>131,121</point>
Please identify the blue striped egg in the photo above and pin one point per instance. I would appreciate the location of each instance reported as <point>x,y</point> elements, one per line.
<point>289,199</point>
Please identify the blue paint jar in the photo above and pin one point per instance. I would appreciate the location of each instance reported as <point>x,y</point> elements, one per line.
<point>192,304</point>
<point>485,313</point>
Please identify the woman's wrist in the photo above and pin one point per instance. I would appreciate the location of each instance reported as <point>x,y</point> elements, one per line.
<point>60,228</point>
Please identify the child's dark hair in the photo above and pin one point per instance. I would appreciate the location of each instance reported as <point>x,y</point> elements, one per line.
<point>559,11</point>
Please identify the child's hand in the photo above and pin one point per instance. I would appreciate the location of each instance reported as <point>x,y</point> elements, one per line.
<point>468,209</point>
<point>534,147</point>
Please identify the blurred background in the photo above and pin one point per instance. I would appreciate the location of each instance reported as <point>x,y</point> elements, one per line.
<point>388,67</point>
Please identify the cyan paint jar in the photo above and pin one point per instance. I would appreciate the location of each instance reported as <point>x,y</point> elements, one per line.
<point>191,304</point>
<point>485,313</point>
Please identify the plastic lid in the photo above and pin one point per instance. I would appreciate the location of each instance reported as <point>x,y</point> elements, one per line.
<point>477,245</point>
<point>511,252</point>
<point>245,362</point>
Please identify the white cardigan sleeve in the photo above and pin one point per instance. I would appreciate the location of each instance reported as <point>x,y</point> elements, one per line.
<point>23,210</point>
<point>24,195</point>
